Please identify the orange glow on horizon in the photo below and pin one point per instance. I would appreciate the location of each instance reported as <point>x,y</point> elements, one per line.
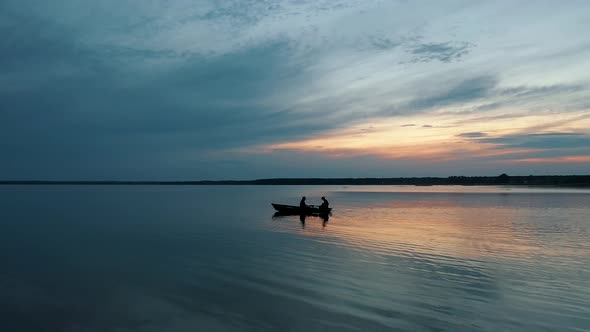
<point>414,138</point>
<point>550,160</point>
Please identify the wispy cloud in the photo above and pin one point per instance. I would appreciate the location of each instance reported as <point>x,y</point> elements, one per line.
<point>465,91</point>
<point>555,160</point>
<point>384,43</point>
<point>542,141</point>
<point>475,134</point>
<point>444,52</point>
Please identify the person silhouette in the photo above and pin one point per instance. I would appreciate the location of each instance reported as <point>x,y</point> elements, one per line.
<point>325,204</point>
<point>302,204</point>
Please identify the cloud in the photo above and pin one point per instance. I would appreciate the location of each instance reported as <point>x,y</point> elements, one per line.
<point>384,43</point>
<point>475,134</point>
<point>100,112</point>
<point>541,141</point>
<point>555,160</point>
<point>528,91</point>
<point>467,90</point>
<point>444,52</point>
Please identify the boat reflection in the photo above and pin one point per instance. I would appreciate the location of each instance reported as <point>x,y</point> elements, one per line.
<point>323,216</point>
<point>302,217</point>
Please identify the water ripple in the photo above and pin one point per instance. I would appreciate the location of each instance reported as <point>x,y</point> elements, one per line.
<point>388,259</point>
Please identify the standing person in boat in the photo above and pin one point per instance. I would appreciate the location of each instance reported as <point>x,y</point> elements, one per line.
<point>302,204</point>
<point>325,204</point>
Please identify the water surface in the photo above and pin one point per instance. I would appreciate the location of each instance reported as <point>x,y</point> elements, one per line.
<point>213,258</point>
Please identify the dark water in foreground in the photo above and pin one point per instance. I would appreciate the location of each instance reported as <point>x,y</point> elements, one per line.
<point>166,258</point>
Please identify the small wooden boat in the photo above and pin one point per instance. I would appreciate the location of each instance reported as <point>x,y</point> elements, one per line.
<point>292,209</point>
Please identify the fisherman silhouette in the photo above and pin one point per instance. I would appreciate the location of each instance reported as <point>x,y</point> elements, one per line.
<point>325,204</point>
<point>302,204</point>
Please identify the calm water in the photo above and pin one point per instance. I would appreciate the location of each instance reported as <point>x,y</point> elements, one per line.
<point>166,258</point>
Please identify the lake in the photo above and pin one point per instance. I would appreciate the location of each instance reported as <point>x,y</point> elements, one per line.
<point>214,258</point>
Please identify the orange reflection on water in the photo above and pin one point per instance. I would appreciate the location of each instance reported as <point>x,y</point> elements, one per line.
<point>443,229</point>
<point>438,229</point>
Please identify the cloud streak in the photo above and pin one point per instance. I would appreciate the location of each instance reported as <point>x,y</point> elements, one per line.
<point>444,52</point>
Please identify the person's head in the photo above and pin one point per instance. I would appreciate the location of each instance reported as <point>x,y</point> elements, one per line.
<point>323,198</point>
<point>303,198</point>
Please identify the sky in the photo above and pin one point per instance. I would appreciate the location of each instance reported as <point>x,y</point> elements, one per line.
<point>241,89</point>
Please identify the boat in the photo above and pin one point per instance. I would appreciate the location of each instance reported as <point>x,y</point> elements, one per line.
<point>292,209</point>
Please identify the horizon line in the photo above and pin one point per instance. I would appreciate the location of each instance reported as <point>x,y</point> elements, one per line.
<point>310,180</point>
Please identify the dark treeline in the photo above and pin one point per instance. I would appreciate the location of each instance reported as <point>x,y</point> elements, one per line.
<point>531,180</point>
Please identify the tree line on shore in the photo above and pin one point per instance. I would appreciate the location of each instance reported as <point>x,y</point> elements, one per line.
<point>504,179</point>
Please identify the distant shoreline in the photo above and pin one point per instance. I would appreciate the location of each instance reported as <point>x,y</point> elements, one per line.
<point>532,180</point>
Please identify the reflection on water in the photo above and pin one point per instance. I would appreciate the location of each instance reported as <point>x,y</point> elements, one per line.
<point>388,258</point>
<point>323,216</point>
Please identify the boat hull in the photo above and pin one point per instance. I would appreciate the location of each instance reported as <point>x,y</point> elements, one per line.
<point>291,209</point>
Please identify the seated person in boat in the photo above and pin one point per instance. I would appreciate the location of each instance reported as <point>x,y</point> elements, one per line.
<point>302,204</point>
<point>325,204</point>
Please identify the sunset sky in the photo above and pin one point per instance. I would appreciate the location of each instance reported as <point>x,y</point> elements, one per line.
<point>190,90</point>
